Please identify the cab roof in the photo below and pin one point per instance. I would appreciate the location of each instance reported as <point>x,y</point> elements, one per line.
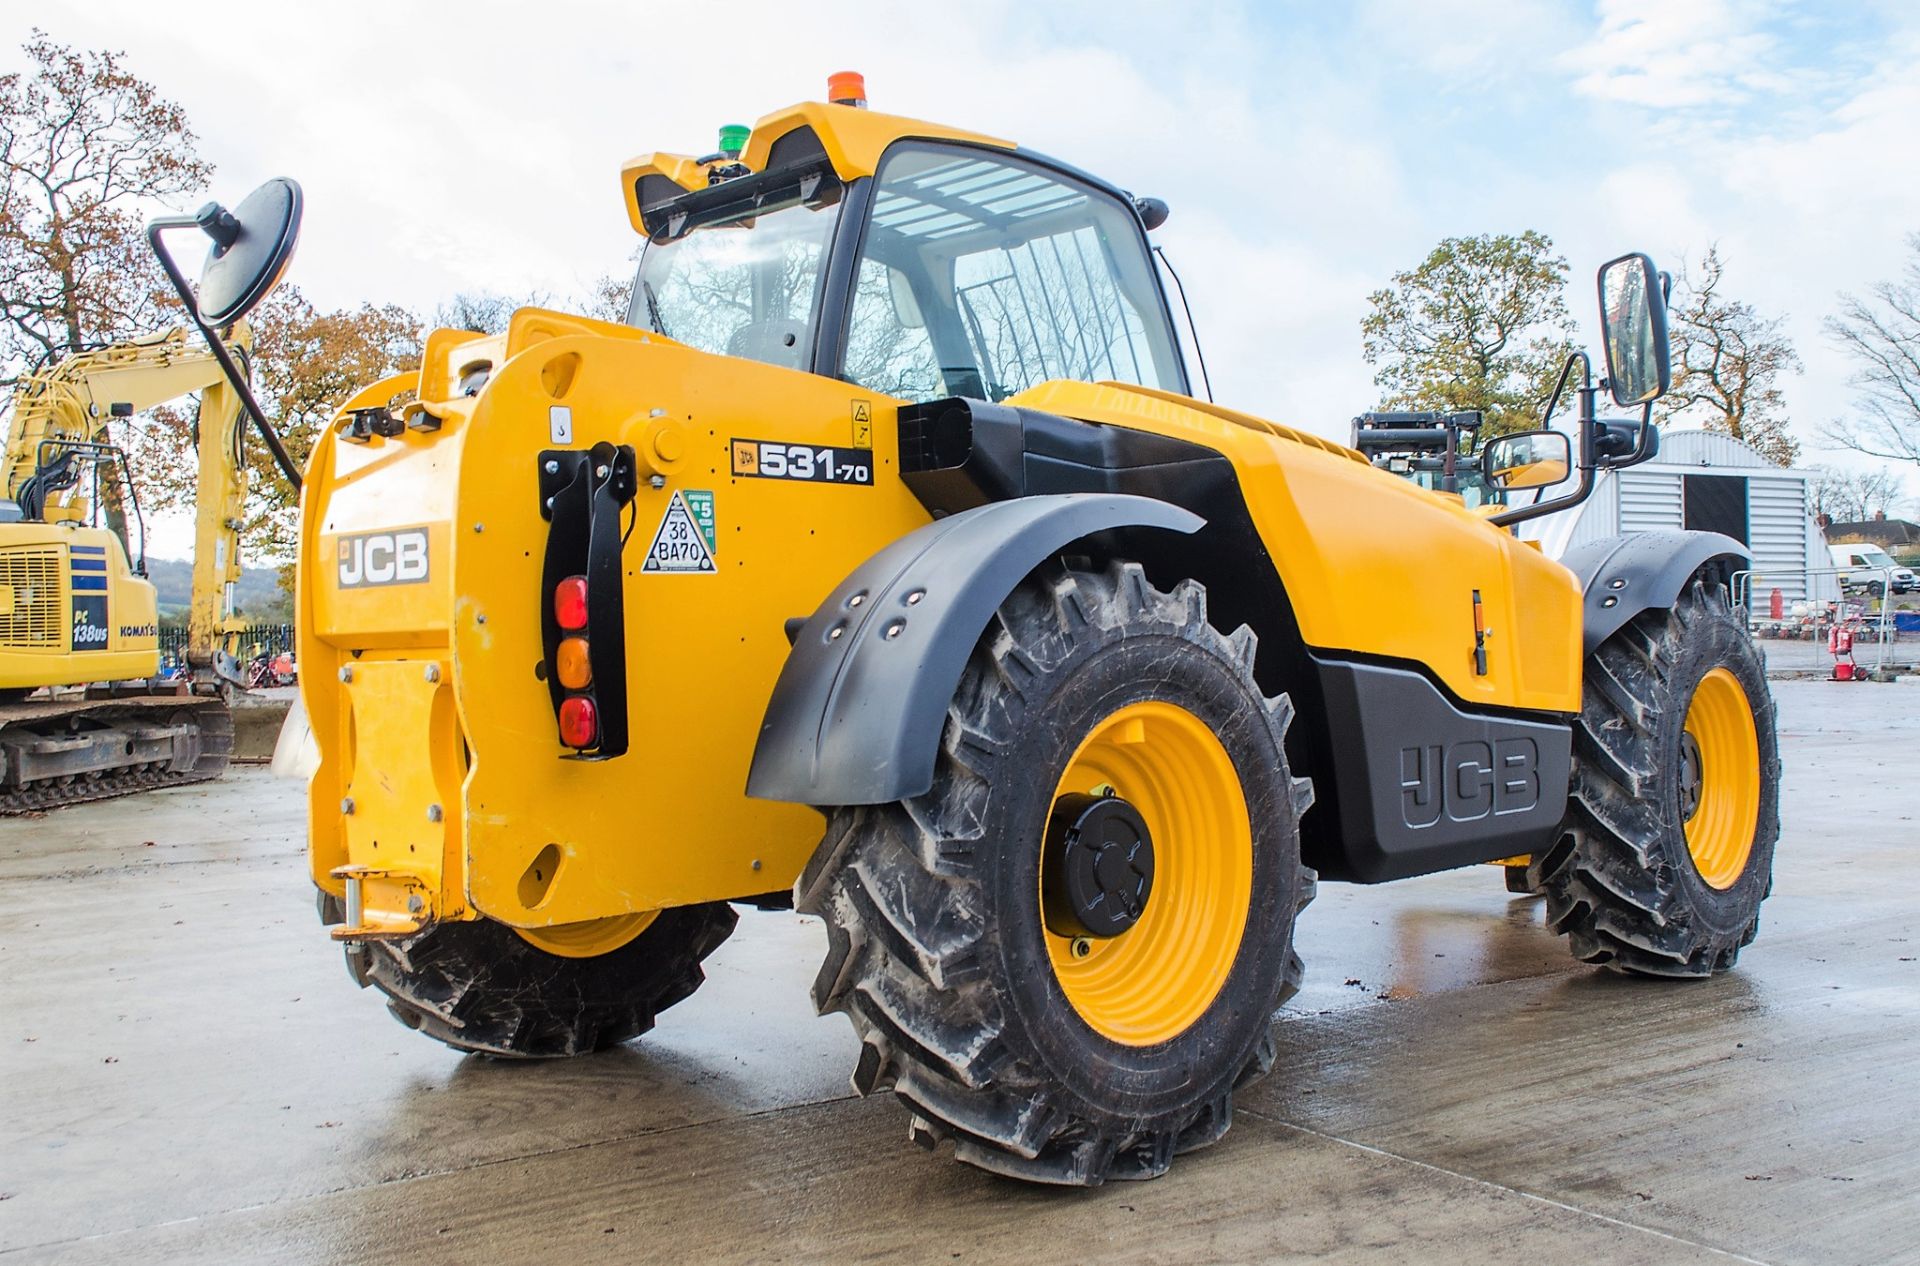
<point>851,138</point>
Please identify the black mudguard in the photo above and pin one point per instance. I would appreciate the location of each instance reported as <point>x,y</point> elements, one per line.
<point>857,713</point>
<point>1645,571</point>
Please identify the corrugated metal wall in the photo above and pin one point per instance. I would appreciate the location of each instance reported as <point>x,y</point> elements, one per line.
<point>1650,498</point>
<point>1777,527</point>
<point>1650,501</point>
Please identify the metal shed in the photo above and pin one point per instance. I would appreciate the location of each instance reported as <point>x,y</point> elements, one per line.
<point>1703,479</point>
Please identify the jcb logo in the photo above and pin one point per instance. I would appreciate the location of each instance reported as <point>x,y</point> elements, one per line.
<point>1468,781</point>
<point>383,558</point>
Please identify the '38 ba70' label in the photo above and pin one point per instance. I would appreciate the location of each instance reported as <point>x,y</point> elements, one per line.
<point>398,557</point>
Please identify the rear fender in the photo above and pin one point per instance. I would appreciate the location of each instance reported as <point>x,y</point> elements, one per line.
<point>857,713</point>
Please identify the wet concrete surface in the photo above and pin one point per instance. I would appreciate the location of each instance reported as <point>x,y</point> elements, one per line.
<point>186,1073</point>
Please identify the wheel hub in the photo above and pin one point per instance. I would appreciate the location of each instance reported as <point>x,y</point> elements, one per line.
<point>1690,776</point>
<point>1097,867</point>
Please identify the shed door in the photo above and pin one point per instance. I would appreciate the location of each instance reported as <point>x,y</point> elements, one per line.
<point>1716,503</point>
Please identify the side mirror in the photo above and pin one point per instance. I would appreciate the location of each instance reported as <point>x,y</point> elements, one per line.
<point>1527,459</point>
<point>1633,325</point>
<point>252,246</point>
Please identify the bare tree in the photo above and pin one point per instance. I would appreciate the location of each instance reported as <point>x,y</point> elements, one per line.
<point>1727,362</point>
<point>1851,496</point>
<point>84,145</point>
<point>1882,333</point>
<point>485,311</point>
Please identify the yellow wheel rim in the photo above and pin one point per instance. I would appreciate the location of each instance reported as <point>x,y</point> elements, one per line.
<point>1720,779</point>
<point>589,938</point>
<point>1152,981</point>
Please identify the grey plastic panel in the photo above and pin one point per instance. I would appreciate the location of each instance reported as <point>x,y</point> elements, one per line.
<point>857,713</point>
<point>1642,571</point>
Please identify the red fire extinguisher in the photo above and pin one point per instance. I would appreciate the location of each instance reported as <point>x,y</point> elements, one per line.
<point>1840,646</point>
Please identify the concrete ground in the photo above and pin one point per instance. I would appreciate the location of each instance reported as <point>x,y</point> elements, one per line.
<point>186,1073</point>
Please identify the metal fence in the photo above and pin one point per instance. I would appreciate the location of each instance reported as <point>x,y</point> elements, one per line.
<point>248,641</point>
<point>1796,634</point>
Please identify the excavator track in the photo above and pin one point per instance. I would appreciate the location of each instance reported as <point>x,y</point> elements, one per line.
<point>61,752</point>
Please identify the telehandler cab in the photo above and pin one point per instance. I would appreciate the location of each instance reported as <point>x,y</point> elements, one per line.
<point>883,563</point>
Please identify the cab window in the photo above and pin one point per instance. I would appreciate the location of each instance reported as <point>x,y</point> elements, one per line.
<point>981,275</point>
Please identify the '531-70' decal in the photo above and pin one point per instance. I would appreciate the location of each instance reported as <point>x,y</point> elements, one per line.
<point>820,464</point>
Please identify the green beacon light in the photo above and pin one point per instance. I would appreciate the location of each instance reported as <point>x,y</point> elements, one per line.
<point>733,139</point>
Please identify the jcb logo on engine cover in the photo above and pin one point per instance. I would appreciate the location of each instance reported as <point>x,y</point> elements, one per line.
<point>1468,781</point>
<point>383,558</point>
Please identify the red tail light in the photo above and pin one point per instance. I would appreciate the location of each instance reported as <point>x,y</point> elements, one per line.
<point>570,603</point>
<point>579,722</point>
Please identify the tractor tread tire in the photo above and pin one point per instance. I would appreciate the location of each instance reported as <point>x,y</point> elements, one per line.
<point>478,986</point>
<point>910,958</point>
<point>1619,882</point>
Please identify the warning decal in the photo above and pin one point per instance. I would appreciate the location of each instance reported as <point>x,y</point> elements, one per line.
<point>680,544</point>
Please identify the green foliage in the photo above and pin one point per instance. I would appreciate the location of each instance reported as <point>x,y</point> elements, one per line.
<point>1481,323</point>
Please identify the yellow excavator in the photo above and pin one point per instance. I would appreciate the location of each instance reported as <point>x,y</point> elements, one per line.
<point>83,714</point>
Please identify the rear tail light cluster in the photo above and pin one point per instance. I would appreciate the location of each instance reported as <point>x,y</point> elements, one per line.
<point>583,495</point>
<point>573,665</point>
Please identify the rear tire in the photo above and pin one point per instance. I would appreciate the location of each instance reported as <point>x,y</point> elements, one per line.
<point>938,948</point>
<point>1657,871</point>
<point>479,986</point>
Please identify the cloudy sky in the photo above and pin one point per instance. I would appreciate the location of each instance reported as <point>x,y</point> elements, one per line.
<point>1308,150</point>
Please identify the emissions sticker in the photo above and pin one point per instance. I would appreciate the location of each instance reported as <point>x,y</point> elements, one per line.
<point>681,543</point>
<point>765,459</point>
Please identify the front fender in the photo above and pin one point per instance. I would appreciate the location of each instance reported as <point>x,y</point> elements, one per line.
<point>857,713</point>
<point>1642,571</point>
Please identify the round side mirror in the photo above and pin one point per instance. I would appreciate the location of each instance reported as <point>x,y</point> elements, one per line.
<point>252,246</point>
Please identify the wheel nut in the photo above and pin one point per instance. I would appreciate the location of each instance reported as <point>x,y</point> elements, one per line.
<point>1081,946</point>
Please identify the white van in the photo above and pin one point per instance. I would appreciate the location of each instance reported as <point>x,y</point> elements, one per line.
<point>1869,568</point>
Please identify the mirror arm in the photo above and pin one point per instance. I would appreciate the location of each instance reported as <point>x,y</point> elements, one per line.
<point>1587,390</point>
<point>215,345</point>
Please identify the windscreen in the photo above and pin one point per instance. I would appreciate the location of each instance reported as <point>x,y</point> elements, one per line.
<point>744,285</point>
<point>983,276</point>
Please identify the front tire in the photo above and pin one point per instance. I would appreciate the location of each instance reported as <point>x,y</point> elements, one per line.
<point>1041,1053</point>
<point>1667,851</point>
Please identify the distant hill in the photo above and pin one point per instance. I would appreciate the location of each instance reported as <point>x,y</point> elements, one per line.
<point>258,594</point>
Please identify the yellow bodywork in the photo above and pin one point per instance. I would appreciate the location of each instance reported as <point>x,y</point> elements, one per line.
<point>37,615</point>
<point>441,783</point>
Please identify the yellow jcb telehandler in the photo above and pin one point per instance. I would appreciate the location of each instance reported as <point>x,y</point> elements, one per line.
<point>884,562</point>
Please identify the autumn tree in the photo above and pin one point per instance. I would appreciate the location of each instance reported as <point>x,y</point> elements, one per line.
<point>85,148</point>
<point>1481,324</point>
<point>1852,496</point>
<point>1881,332</point>
<point>1727,363</point>
<point>305,363</point>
